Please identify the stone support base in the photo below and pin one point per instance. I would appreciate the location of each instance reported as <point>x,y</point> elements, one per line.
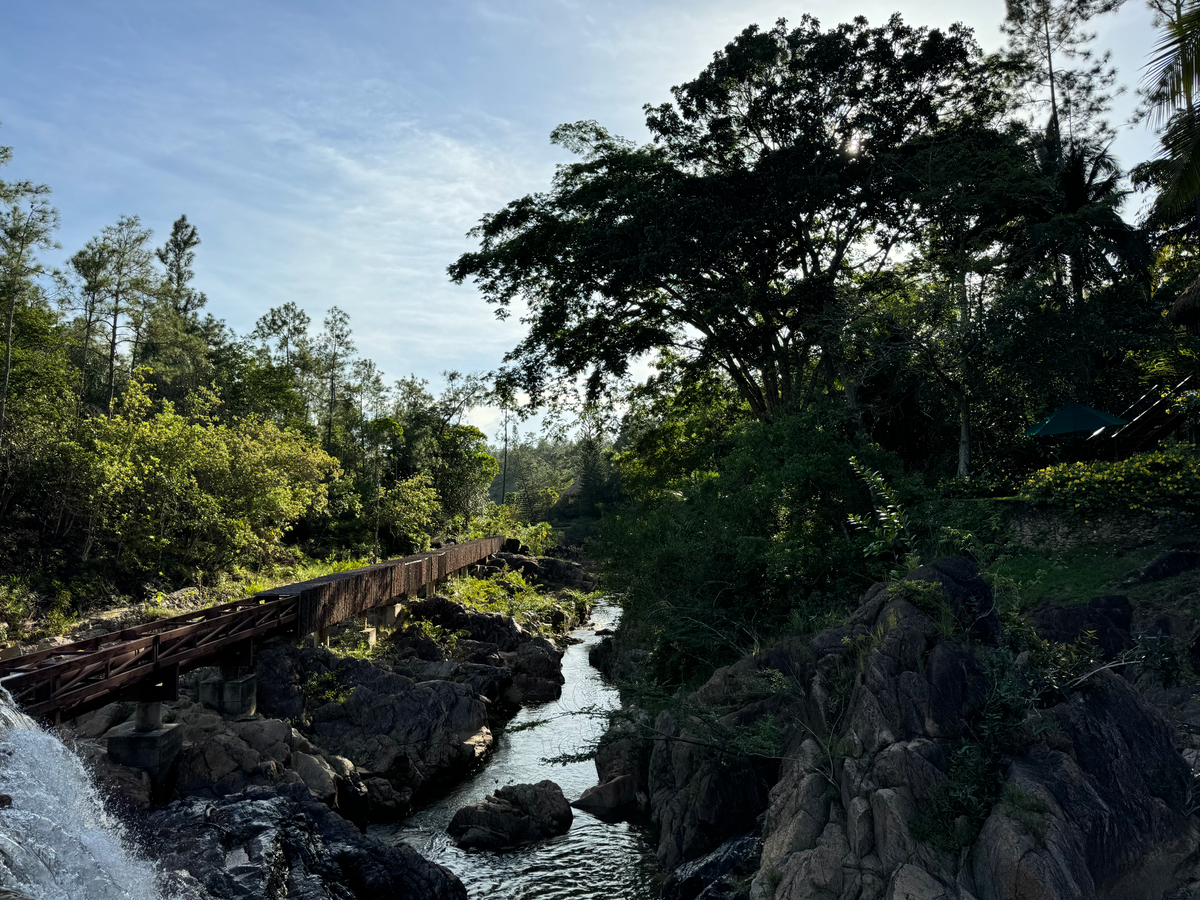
<point>230,696</point>
<point>153,751</point>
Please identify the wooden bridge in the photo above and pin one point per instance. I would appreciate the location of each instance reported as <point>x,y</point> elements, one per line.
<point>144,663</point>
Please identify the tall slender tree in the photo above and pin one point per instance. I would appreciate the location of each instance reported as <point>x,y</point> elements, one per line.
<point>27,223</point>
<point>177,256</point>
<point>132,281</point>
<point>287,326</point>
<point>92,267</point>
<point>336,345</point>
<point>1062,69</point>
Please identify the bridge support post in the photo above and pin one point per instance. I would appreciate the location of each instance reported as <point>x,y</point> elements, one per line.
<point>234,690</point>
<point>387,615</point>
<point>146,743</point>
<point>231,694</point>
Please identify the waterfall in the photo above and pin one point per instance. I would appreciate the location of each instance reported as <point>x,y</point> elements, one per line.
<point>57,841</point>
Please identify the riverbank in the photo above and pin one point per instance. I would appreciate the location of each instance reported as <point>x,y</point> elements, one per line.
<point>1031,732</point>
<point>357,732</point>
<point>594,860</point>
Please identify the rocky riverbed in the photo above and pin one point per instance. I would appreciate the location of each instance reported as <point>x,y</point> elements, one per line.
<point>273,803</point>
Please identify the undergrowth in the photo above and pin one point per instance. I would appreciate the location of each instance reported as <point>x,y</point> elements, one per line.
<point>510,594</point>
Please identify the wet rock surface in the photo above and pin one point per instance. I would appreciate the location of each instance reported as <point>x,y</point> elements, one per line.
<point>516,814</point>
<point>280,843</point>
<point>712,876</point>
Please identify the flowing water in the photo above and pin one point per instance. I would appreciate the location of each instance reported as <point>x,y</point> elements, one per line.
<point>57,841</point>
<point>591,861</point>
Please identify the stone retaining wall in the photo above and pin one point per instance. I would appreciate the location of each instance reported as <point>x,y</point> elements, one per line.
<point>1046,528</point>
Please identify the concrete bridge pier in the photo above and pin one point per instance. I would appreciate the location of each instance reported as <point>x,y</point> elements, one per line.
<point>145,742</point>
<point>233,691</point>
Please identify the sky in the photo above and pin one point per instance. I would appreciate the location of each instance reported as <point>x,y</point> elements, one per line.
<point>338,153</point>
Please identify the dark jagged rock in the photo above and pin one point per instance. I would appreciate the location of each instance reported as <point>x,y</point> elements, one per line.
<point>1109,617</point>
<point>417,736</point>
<point>1095,792</point>
<point>615,664</point>
<point>967,594</point>
<point>403,735</point>
<point>958,688</point>
<point>1168,565</point>
<point>279,844</point>
<point>614,799</point>
<point>1107,795</point>
<point>514,815</point>
<point>537,671</point>
<point>488,628</point>
<point>738,856</point>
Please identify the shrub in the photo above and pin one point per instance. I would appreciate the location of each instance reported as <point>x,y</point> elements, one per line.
<point>503,519</point>
<point>1161,479</point>
<point>757,545</point>
<point>409,510</point>
<point>509,593</point>
<point>162,491</point>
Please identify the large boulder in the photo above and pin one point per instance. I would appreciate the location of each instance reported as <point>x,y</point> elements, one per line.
<point>1096,810</point>
<point>712,875</point>
<point>537,671</point>
<point>416,736</point>
<point>1109,618</point>
<point>514,815</point>
<point>617,798</point>
<point>280,844</point>
<point>1092,802</point>
<point>1169,564</point>
<point>488,628</point>
<point>967,594</point>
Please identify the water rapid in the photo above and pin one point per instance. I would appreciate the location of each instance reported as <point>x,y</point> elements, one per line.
<point>592,861</point>
<point>57,841</point>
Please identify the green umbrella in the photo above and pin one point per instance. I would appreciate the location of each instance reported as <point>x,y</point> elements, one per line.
<point>1073,417</point>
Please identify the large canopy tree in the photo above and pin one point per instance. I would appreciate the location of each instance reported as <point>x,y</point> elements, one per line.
<point>776,181</point>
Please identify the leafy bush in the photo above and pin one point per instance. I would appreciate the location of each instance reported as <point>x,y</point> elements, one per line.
<point>1161,479</point>
<point>164,491</point>
<point>409,509</point>
<point>16,605</point>
<point>509,593</point>
<point>756,546</point>
<point>503,519</point>
<point>324,687</point>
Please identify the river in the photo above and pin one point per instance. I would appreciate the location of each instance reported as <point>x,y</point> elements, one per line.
<point>593,860</point>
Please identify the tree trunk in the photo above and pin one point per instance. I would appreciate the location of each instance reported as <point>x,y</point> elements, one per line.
<point>964,437</point>
<point>112,354</point>
<point>8,341</point>
<point>332,386</point>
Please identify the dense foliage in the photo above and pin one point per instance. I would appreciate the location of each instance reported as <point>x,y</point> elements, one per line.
<point>862,261</point>
<point>144,446</point>
<point>1146,482</point>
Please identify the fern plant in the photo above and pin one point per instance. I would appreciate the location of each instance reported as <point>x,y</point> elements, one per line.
<point>889,524</point>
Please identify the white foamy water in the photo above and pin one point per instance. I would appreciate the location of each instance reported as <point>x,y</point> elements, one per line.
<point>57,841</point>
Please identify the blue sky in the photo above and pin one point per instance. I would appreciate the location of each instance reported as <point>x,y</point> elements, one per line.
<point>336,153</point>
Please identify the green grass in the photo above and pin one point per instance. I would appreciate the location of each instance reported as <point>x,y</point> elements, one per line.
<point>303,570</point>
<point>1074,576</point>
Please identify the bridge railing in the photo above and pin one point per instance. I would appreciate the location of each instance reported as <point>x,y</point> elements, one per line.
<point>145,662</point>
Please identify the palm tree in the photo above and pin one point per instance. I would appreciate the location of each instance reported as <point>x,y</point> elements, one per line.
<point>1171,81</point>
<point>1075,226</point>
